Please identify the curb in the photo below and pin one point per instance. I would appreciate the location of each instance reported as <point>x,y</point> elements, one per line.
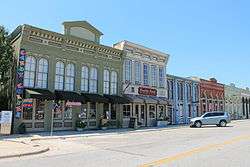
<point>25,154</point>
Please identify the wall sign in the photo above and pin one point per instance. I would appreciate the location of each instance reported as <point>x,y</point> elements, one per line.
<point>69,103</point>
<point>147,91</point>
<point>19,83</point>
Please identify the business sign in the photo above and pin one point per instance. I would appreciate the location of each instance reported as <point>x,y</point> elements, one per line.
<point>19,83</point>
<point>69,103</point>
<point>147,91</point>
<point>6,119</point>
<point>27,103</point>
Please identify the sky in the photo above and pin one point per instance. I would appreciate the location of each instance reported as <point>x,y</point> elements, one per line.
<point>208,38</point>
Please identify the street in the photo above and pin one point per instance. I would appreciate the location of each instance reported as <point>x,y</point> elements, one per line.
<point>180,147</point>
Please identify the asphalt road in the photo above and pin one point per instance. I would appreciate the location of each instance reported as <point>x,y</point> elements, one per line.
<point>184,147</point>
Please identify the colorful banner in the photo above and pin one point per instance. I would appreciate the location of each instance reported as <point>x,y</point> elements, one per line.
<point>19,83</point>
<point>27,103</point>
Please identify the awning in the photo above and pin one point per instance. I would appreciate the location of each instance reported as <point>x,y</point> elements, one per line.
<point>95,98</point>
<point>39,94</point>
<point>71,96</point>
<point>148,99</point>
<point>134,98</point>
<point>117,99</point>
<point>161,100</point>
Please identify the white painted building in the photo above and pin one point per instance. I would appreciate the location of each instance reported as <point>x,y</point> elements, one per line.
<point>144,82</point>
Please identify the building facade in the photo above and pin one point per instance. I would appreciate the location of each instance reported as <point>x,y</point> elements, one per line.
<point>183,99</point>
<point>65,77</point>
<point>245,96</point>
<point>211,96</point>
<point>144,71</point>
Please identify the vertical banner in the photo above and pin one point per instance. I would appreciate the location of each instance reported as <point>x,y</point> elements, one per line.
<point>19,83</point>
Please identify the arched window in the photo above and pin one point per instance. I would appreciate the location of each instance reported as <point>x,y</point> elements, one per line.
<point>59,79</point>
<point>70,77</point>
<point>42,74</point>
<point>113,82</point>
<point>106,81</point>
<point>29,72</point>
<point>85,79</point>
<point>93,80</point>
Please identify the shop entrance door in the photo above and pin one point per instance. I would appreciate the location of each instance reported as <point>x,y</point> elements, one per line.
<point>140,114</point>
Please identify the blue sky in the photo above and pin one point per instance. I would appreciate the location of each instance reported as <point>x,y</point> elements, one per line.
<point>208,38</point>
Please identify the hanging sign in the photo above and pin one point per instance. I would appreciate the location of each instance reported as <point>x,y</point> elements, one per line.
<point>147,91</point>
<point>19,82</point>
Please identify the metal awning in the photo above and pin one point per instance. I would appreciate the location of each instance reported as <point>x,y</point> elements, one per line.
<point>117,99</point>
<point>43,94</point>
<point>91,97</point>
<point>71,96</point>
<point>148,99</point>
<point>161,100</point>
<point>134,98</point>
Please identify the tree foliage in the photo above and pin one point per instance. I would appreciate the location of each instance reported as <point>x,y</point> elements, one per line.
<point>6,55</point>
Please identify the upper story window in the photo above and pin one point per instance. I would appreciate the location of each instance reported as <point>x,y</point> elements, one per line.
<point>85,79</point>
<point>70,77</point>
<point>145,74</point>
<point>113,83</point>
<point>128,70</point>
<point>29,72</point>
<point>59,78</point>
<point>93,80</point>
<point>42,74</point>
<point>137,72</point>
<point>180,91</point>
<point>161,77</point>
<point>106,81</point>
<point>154,75</point>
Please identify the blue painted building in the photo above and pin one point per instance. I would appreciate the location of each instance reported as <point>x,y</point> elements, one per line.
<point>183,99</point>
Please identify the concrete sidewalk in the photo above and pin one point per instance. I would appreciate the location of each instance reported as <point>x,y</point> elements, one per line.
<point>11,149</point>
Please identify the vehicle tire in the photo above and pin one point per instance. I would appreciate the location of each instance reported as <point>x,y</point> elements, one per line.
<point>198,124</point>
<point>223,123</point>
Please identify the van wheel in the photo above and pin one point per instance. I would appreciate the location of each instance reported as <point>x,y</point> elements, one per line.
<point>223,123</point>
<point>198,124</point>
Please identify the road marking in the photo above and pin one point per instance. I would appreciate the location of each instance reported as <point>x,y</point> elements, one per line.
<point>195,151</point>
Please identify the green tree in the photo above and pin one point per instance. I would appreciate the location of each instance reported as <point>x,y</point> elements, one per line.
<point>6,56</point>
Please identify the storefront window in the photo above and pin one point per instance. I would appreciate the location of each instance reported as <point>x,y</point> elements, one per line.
<point>126,111</point>
<point>106,112</point>
<point>68,112</point>
<point>84,109</point>
<point>58,110</point>
<point>40,108</point>
<point>92,112</point>
<point>27,113</point>
<point>161,113</point>
<point>151,111</point>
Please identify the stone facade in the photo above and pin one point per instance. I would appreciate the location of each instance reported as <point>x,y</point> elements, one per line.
<point>183,99</point>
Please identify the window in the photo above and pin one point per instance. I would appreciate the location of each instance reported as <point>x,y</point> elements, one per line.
<point>85,79</point>
<point>113,111</point>
<point>151,111</point>
<point>68,112</point>
<point>42,74</point>
<point>92,111</point>
<point>40,108</point>
<point>70,77</point>
<point>58,110</point>
<point>106,82</point>
<point>145,74</point>
<point>137,72</point>
<point>29,71</point>
<point>128,70</point>
<point>113,83</point>
<point>28,112</point>
<point>126,111</point>
<point>93,80</point>
<point>154,75</point>
<point>180,91</point>
<point>59,80</point>
<point>161,77</point>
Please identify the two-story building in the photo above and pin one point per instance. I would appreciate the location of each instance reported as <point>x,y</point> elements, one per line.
<point>65,77</point>
<point>183,99</point>
<point>144,83</point>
